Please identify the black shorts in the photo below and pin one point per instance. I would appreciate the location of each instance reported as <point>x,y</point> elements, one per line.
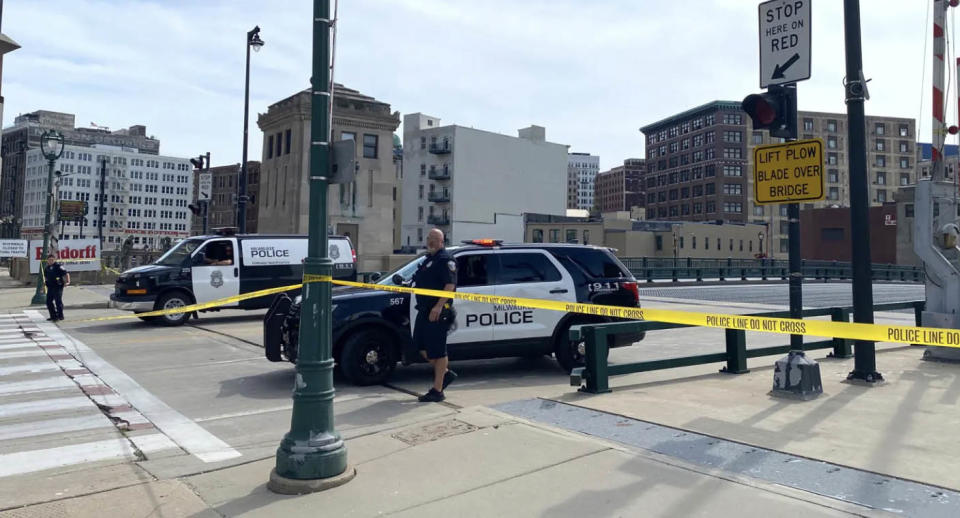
<point>430,336</point>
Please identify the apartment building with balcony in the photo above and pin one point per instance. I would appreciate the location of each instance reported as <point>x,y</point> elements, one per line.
<point>472,183</point>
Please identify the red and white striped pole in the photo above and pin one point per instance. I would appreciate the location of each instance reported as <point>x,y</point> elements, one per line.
<point>939,127</point>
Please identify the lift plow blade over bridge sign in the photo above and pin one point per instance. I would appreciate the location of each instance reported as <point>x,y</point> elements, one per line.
<point>788,173</point>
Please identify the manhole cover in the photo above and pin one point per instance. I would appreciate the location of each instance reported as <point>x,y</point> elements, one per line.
<point>432,432</point>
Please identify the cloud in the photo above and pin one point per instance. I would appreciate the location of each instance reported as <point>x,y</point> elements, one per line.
<point>592,73</point>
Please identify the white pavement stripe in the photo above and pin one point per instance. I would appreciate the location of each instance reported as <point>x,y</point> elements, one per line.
<point>187,434</point>
<point>16,345</point>
<point>39,460</point>
<point>26,353</point>
<point>45,405</point>
<point>50,426</point>
<point>29,368</point>
<point>39,385</point>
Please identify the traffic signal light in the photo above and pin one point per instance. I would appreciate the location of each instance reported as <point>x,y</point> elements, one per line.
<point>197,162</point>
<point>194,208</point>
<point>775,110</point>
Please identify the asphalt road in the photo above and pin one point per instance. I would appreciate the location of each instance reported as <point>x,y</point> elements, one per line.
<point>815,295</point>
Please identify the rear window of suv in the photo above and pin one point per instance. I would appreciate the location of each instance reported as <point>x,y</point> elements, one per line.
<point>516,268</point>
<point>596,263</point>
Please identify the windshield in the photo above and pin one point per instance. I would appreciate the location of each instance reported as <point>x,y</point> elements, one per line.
<point>176,255</point>
<point>406,271</point>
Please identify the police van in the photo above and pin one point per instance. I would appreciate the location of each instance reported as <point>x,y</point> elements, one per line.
<point>372,329</point>
<point>206,268</point>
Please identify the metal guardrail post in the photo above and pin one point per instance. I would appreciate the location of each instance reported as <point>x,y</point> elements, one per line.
<point>647,271</point>
<point>841,346</point>
<point>763,269</point>
<point>595,360</point>
<point>736,352</point>
<point>743,274</point>
<point>720,269</point>
<point>674,272</point>
<point>699,275</point>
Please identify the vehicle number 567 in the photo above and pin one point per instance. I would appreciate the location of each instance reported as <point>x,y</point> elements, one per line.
<point>396,301</point>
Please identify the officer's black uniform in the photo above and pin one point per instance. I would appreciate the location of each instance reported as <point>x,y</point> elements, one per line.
<point>55,277</point>
<point>436,271</point>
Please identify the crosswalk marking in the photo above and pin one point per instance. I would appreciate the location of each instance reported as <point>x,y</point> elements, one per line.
<point>27,353</point>
<point>45,405</point>
<point>16,345</point>
<point>60,425</point>
<point>39,460</point>
<point>28,368</point>
<point>38,385</point>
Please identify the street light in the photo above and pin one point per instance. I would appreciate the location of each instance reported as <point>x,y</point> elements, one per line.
<point>312,456</point>
<point>254,42</point>
<point>51,145</point>
<point>760,237</point>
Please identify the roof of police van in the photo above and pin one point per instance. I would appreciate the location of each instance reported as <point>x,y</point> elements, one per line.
<point>259,236</point>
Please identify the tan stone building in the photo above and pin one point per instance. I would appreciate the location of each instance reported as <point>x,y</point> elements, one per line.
<point>891,164</point>
<point>632,238</point>
<point>363,209</point>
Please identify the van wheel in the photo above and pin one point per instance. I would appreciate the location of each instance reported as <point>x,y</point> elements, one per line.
<point>148,319</point>
<point>368,357</point>
<point>570,354</point>
<point>172,300</point>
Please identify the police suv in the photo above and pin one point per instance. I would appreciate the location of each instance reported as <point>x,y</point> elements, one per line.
<point>206,268</point>
<point>372,328</point>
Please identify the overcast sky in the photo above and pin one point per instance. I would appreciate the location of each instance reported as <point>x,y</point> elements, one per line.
<point>591,72</point>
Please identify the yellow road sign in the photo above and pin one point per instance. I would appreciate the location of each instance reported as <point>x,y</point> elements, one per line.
<point>789,172</point>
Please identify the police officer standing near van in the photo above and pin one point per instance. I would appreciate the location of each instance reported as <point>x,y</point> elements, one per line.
<point>55,277</point>
<point>438,271</point>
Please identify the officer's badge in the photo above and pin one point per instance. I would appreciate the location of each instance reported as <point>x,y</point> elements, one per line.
<point>428,264</point>
<point>334,252</point>
<point>216,279</point>
<point>452,265</point>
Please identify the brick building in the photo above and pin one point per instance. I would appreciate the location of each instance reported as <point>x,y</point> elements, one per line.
<point>222,210</point>
<point>622,187</point>
<point>697,164</point>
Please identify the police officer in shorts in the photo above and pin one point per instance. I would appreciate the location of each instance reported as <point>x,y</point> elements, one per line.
<point>438,271</point>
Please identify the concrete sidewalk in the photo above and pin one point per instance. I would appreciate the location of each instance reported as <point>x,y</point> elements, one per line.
<point>478,462</point>
<point>16,295</point>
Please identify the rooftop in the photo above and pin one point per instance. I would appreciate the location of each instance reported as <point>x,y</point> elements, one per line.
<point>709,107</point>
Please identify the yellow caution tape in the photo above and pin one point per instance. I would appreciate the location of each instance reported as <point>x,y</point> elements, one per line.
<point>848,330</point>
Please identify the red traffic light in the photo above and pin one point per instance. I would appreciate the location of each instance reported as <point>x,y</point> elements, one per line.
<point>759,109</point>
<point>774,110</point>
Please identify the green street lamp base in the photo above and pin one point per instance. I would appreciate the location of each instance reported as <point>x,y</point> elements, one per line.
<point>38,300</point>
<point>292,486</point>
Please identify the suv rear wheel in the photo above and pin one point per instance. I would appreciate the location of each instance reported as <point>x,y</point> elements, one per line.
<point>570,354</point>
<point>368,357</point>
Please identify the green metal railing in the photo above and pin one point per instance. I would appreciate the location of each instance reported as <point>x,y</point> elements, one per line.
<point>594,376</point>
<point>687,268</point>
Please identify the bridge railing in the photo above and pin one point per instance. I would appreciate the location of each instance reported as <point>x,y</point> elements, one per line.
<point>651,269</point>
<point>594,376</point>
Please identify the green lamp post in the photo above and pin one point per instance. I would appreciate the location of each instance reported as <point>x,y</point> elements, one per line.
<point>312,456</point>
<point>51,145</point>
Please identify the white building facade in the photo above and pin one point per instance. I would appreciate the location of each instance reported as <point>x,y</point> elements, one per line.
<point>476,184</point>
<point>582,169</point>
<point>144,196</point>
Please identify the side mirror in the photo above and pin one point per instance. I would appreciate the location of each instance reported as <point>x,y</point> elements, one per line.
<point>375,276</point>
<point>397,279</point>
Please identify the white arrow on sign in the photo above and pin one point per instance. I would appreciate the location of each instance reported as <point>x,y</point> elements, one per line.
<point>784,41</point>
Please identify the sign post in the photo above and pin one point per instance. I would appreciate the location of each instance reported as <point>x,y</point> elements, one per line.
<point>791,172</point>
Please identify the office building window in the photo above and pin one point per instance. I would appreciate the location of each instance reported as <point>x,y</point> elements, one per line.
<point>784,245</point>
<point>288,136</point>
<point>420,215</point>
<point>881,178</point>
<point>538,235</point>
<point>833,176</point>
<point>881,161</point>
<point>904,130</point>
<point>904,178</point>
<point>904,163</point>
<point>831,125</point>
<point>269,146</point>
<point>423,169</point>
<point>831,142</point>
<point>834,193</point>
<point>732,152</point>
<point>369,146</point>
<point>807,124</point>
<point>880,128</point>
<point>880,145</point>
<point>555,235</point>
<point>732,170</point>
<point>881,196</point>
